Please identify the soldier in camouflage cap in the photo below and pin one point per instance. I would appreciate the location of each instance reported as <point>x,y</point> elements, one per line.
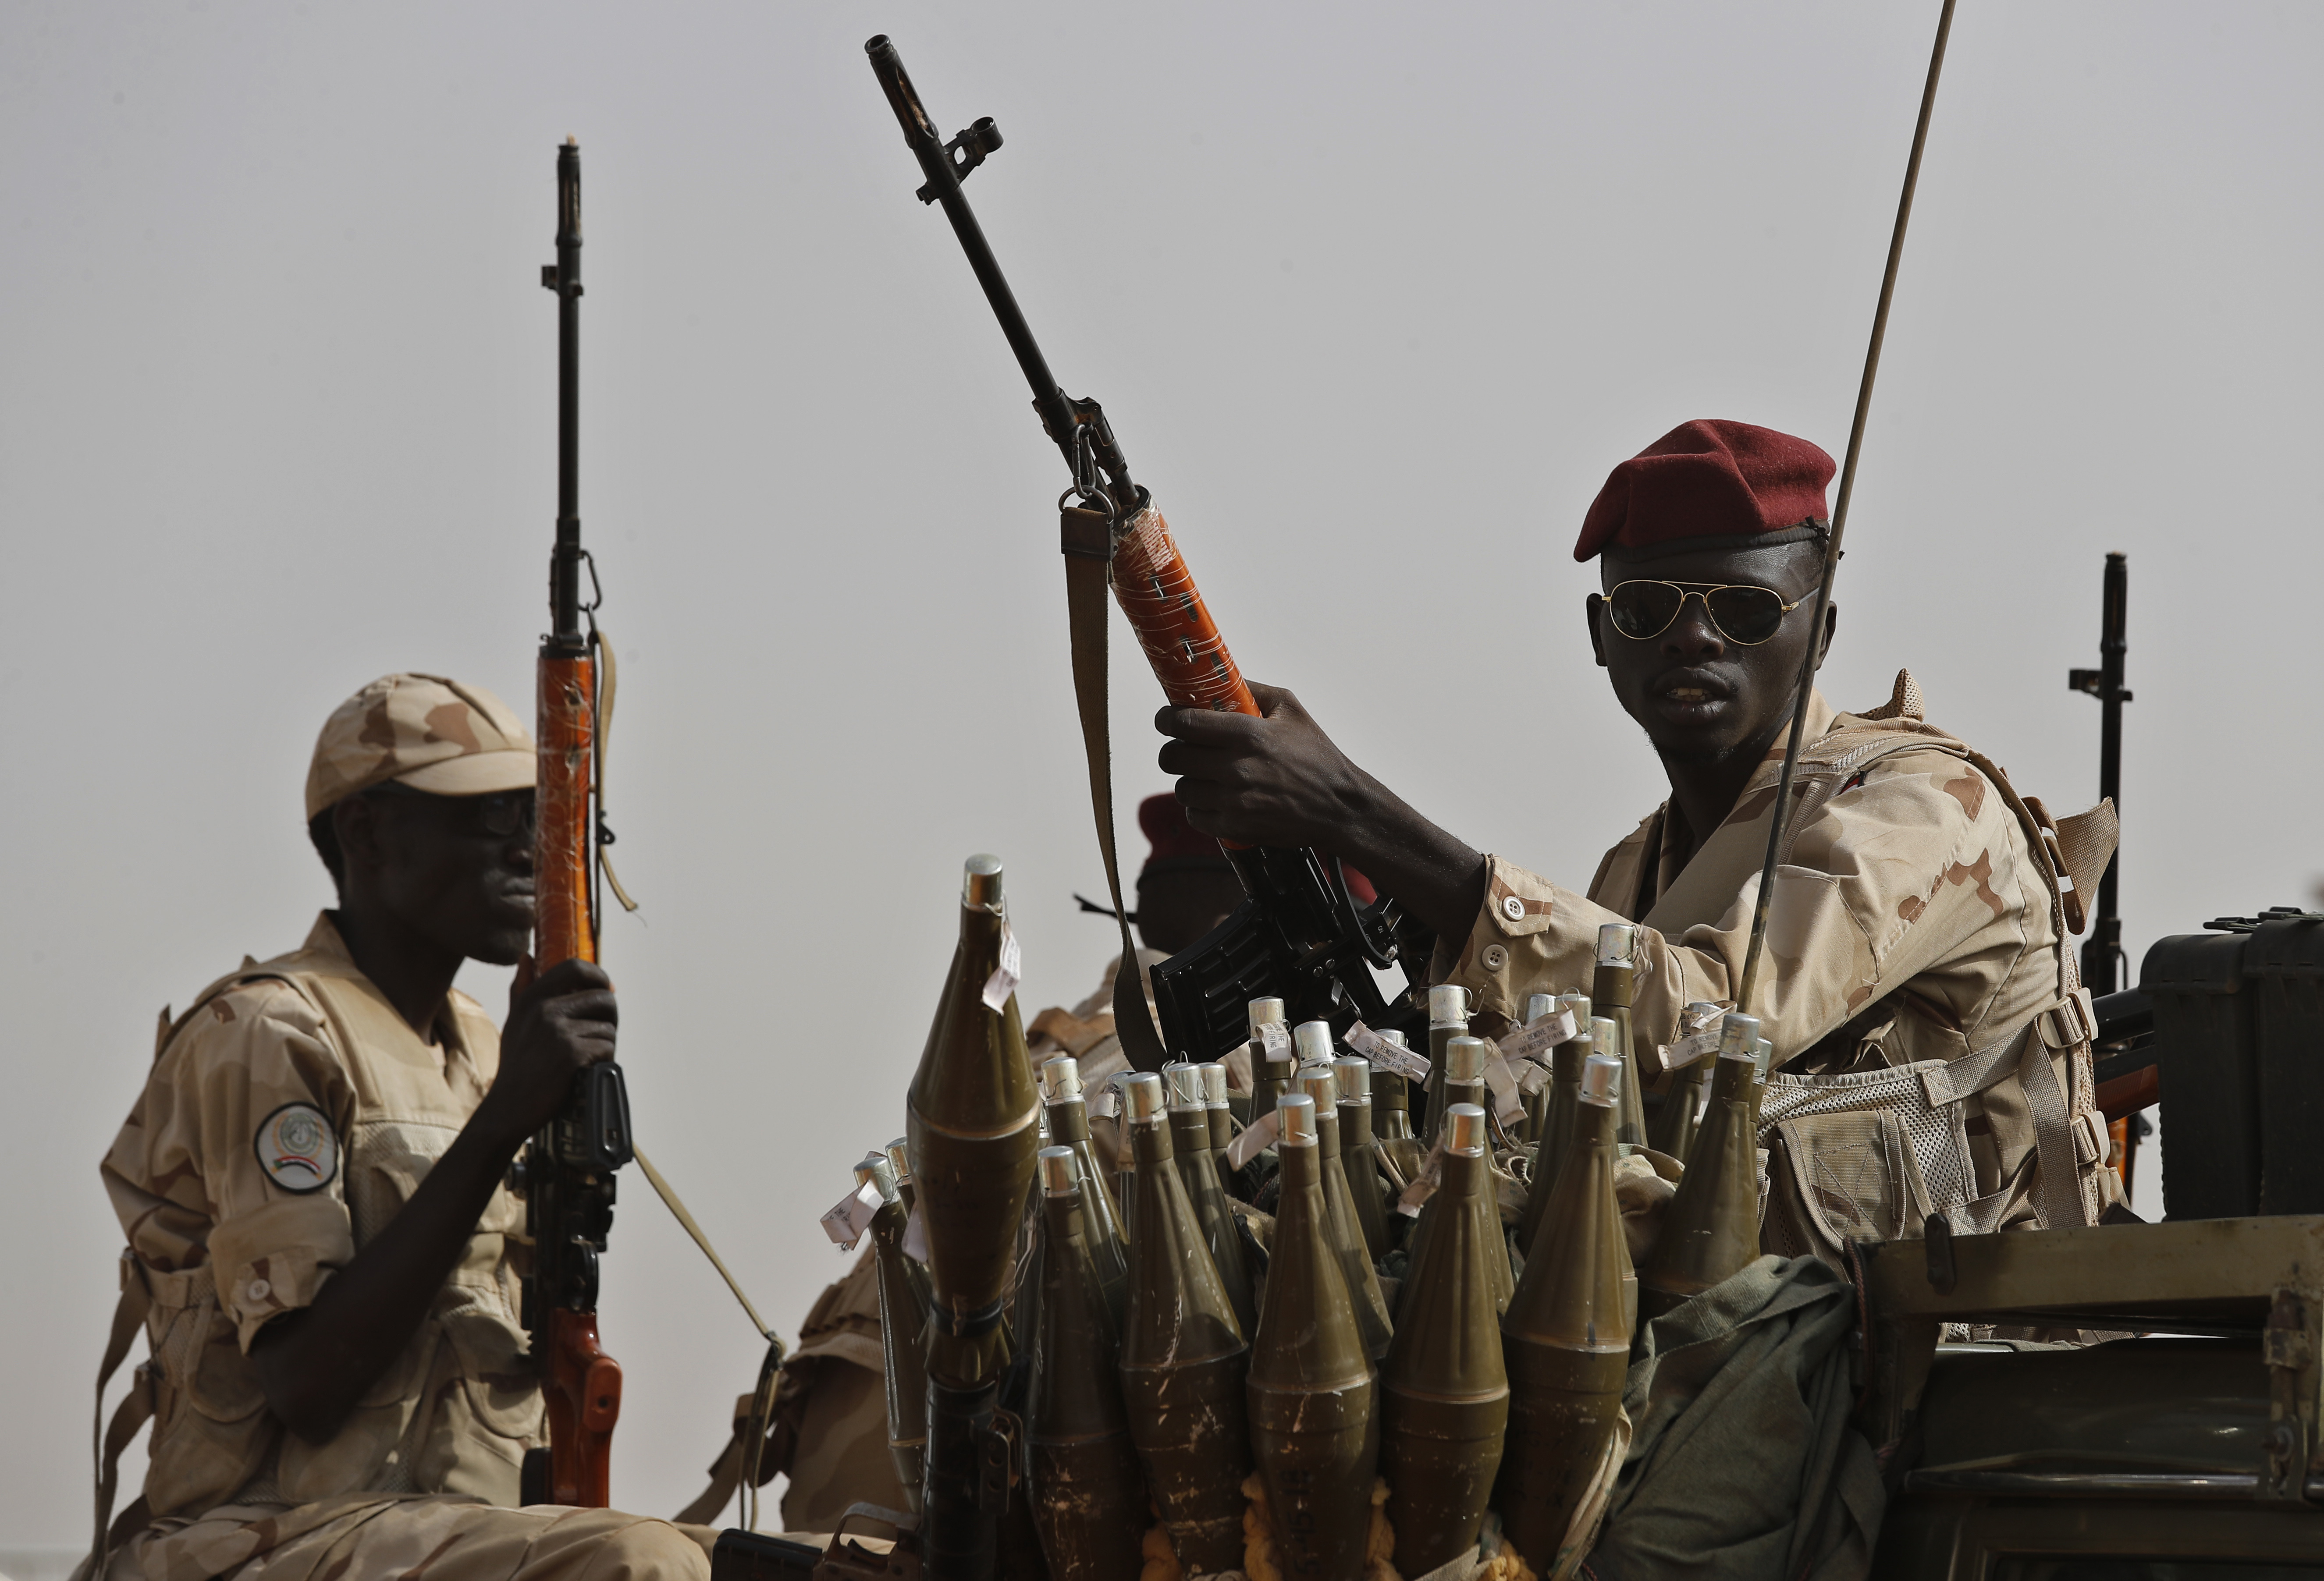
<point>321,1249</point>
<point>428,732</point>
<point>1922,906</point>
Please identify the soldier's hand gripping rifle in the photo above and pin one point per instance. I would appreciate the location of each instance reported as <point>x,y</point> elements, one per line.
<point>1298,934</point>
<point>567,1169</point>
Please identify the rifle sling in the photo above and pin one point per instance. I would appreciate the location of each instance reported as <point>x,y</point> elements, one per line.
<point>1088,571</point>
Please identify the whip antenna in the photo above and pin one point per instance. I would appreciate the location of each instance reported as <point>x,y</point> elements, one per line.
<point>1743,996</point>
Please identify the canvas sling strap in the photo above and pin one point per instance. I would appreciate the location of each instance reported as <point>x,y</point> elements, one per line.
<point>1086,538</point>
<point>2065,1142</point>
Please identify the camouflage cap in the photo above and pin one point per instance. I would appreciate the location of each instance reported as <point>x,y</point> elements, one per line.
<point>426,731</point>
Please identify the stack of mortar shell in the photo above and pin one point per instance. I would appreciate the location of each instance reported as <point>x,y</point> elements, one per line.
<point>1347,1233</point>
<point>1448,1018</point>
<point>1445,1394</point>
<point>1190,1146</point>
<point>1221,1118</point>
<point>1360,1151</point>
<point>1565,1338</point>
<point>1183,1356</point>
<point>1554,1128</point>
<point>1088,1496</point>
<point>971,1128</point>
<point>1710,1230</point>
<point>1271,1073</point>
<point>1611,988</point>
<point>1067,1108</point>
<point>1463,1069</point>
<point>1313,1428</point>
<point>1690,1088</point>
<point>903,1325</point>
<point>1393,1121</point>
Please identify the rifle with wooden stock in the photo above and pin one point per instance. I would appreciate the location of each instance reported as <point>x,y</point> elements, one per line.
<point>567,1172</point>
<point>1299,935</point>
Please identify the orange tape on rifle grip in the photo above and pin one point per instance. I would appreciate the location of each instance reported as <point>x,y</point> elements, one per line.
<point>1157,592</point>
<point>584,1400</point>
<point>562,846</point>
<point>1182,642</point>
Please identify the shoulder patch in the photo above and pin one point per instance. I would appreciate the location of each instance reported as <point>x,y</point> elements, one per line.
<point>297,1148</point>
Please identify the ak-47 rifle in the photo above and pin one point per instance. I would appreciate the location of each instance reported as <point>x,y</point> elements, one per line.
<point>2102,957</point>
<point>567,1169</point>
<point>1298,934</point>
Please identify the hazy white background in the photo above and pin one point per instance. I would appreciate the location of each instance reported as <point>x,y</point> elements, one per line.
<point>1374,294</point>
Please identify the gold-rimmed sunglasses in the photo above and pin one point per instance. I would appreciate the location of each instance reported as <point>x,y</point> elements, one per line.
<point>1743,612</point>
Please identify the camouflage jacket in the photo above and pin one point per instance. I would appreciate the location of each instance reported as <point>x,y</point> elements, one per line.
<point>290,1114</point>
<point>1916,921</point>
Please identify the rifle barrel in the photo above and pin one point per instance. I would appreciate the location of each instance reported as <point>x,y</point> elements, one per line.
<point>943,186</point>
<point>564,564</point>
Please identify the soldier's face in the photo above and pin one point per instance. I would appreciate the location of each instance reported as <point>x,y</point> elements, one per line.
<point>449,868</point>
<point>1700,697</point>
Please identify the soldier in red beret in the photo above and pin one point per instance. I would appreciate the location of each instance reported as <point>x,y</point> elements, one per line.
<point>1918,913</point>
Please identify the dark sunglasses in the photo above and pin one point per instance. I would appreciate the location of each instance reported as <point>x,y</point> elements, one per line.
<point>498,815</point>
<point>1745,615</point>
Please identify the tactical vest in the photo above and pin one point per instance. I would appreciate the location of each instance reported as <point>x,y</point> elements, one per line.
<point>1869,1156</point>
<point>456,1410</point>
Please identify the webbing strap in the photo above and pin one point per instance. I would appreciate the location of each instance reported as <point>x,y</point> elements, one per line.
<point>2059,1181</point>
<point>1087,577</point>
<point>1973,1073</point>
<point>108,1440</point>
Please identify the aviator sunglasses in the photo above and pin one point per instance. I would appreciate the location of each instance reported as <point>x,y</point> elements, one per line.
<point>1743,613</point>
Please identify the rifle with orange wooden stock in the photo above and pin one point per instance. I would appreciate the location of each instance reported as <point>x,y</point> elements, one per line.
<point>1299,935</point>
<point>567,1172</point>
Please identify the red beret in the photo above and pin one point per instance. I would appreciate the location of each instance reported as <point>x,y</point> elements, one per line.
<point>1708,480</point>
<point>1177,842</point>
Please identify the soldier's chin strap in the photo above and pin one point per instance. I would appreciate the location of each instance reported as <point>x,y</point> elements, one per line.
<point>1745,990</point>
<point>1086,536</point>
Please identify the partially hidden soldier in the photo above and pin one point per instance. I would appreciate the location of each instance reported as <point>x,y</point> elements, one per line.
<point>1186,888</point>
<point>322,1252</point>
<point>831,1425</point>
<point>1922,905</point>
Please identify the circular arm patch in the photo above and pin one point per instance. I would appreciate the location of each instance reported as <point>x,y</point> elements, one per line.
<point>297,1148</point>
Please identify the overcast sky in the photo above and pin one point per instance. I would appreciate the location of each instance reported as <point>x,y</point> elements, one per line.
<point>1374,296</point>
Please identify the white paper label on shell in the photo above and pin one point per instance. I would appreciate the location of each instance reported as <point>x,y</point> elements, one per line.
<point>1386,1055</point>
<point>1254,1140</point>
<point>1508,1098</point>
<point>1276,1038</point>
<point>1007,974</point>
<point>1688,1049</point>
<point>1534,1042</point>
<point>1423,1185</point>
<point>916,1237</point>
<point>848,1218</point>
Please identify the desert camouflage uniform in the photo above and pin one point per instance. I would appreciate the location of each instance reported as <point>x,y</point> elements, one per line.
<point>304,1055</point>
<point>1915,919</point>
